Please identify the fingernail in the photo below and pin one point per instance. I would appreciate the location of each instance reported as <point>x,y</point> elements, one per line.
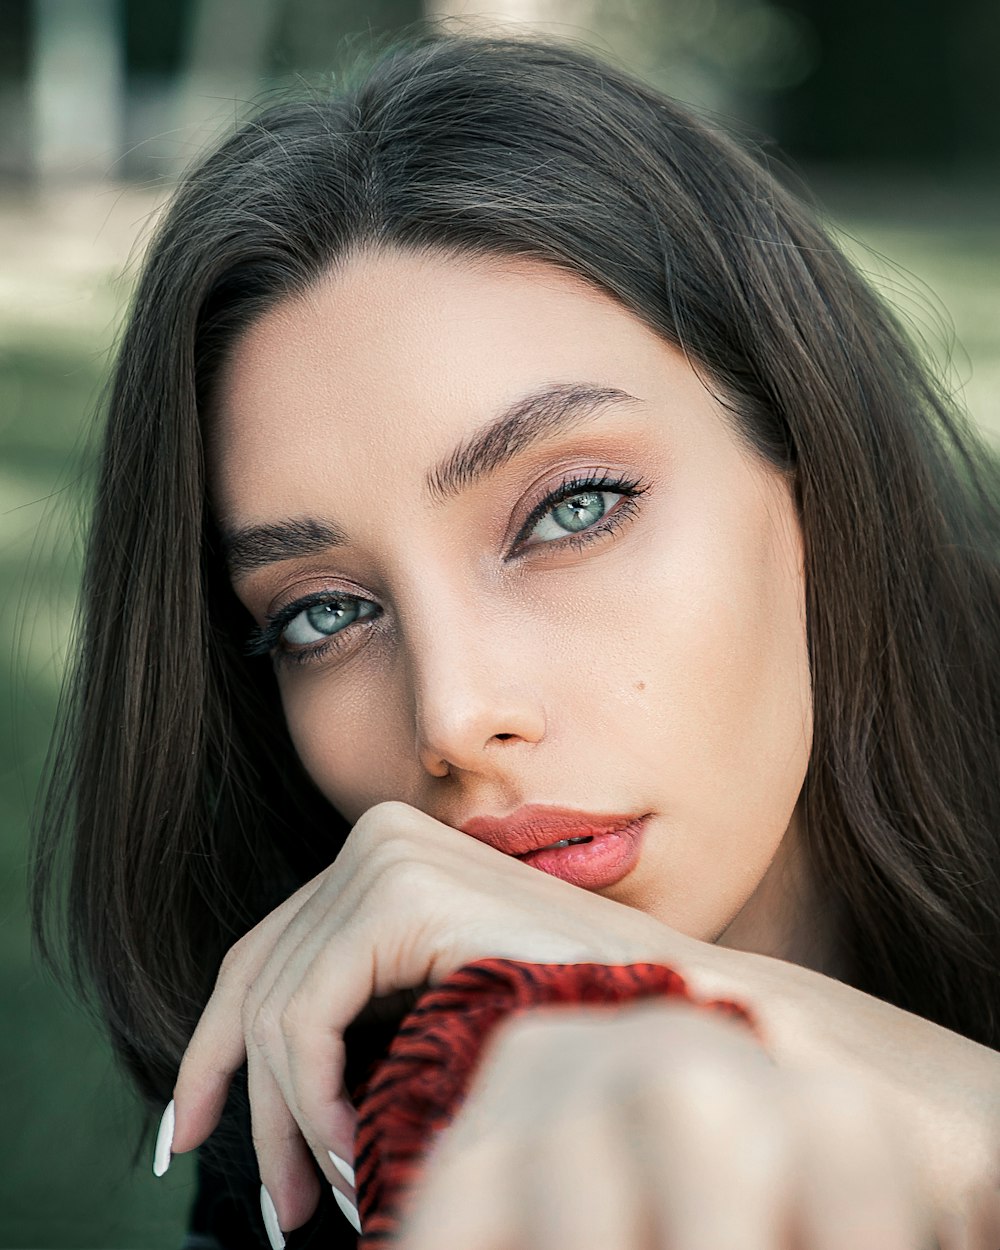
<point>164,1140</point>
<point>345,1169</point>
<point>348,1208</point>
<point>274,1234</point>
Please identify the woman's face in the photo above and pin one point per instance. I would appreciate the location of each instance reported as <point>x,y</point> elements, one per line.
<point>639,646</point>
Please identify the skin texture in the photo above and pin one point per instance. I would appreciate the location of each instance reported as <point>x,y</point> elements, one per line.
<point>663,669</point>
<point>631,675</point>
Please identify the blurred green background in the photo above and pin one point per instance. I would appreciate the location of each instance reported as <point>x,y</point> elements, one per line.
<point>887,109</point>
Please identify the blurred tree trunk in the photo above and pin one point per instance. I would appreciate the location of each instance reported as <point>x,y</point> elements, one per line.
<point>227,54</point>
<point>156,49</point>
<point>535,12</point>
<point>15,111</point>
<point>76,88</point>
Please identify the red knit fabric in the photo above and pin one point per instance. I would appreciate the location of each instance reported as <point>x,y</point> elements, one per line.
<point>417,1089</point>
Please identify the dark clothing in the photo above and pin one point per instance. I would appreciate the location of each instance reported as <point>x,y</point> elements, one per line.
<point>224,1217</point>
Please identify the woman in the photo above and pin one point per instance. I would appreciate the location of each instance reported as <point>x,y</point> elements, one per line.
<point>490,438</point>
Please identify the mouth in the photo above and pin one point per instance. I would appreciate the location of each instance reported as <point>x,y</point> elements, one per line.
<point>536,827</point>
<point>592,862</point>
<point>593,850</point>
<point>557,846</point>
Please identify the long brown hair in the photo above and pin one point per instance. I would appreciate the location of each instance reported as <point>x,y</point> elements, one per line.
<point>175,797</point>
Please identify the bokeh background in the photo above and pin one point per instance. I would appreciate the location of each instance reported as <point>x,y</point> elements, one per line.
<point>887,110</point>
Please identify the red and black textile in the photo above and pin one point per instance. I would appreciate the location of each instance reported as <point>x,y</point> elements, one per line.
<point>417,1089</point>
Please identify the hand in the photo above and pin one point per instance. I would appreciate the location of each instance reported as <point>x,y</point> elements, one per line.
<point>661,1125</point>
<point>406,902</point>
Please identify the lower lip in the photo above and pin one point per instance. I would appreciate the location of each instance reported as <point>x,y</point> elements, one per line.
<point>593,865</point>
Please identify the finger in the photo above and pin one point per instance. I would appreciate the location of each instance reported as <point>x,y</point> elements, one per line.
<point>287,1155</point>
<point>279,1049</point>
<point>713,1157</point>
<point>315,1057</point>
<point>283,1157</point>
<point>323,987</point>
<point>287,1027</point>
<point>853,1185</point>
<point>576,1185</point>
<point>217,1047</point>
<point>273,1046</point>
<point>312,1022</point>
<point>461,1199</point>
<point>268,963</point>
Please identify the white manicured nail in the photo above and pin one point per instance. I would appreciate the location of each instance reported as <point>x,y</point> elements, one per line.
<point>274,1234</point>
<point>348,1208</point>
<point>345,1169</point>
<point>164,1140</point>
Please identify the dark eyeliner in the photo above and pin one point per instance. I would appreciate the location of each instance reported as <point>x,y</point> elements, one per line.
<point>264,639</point>
<point>629,488</point>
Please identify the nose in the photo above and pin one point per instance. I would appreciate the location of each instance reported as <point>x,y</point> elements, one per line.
<point>475,687</point>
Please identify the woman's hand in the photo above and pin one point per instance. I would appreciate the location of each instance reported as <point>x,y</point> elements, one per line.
<point>406,902</point>
<point>409,899</point>
<point>661,1125</point>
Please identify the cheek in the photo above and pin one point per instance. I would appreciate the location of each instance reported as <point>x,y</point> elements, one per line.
<point>347,737</point>
<point>709,627</point>
<point>727,702</point>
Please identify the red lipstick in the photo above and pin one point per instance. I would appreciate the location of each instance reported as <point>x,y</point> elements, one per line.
<point>610,850</point>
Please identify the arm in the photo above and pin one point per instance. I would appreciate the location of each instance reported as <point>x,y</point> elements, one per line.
<point>945,1089</point>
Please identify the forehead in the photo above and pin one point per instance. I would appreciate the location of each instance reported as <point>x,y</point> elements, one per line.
<point>398,354</point>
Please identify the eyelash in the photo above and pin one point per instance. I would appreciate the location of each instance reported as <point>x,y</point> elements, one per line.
<point>267,639</point>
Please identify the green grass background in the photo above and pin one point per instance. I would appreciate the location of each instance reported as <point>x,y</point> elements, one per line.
<point>69,1124</point>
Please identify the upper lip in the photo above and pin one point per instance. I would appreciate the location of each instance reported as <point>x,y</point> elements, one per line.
<point>538,825</point>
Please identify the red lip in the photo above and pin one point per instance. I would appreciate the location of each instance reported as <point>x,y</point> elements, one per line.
<point>537,825</point>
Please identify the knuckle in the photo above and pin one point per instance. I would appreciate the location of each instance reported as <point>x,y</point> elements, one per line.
<point>291,1018</point>
<point>699,1078</point>
<point>400,874</point>
<point>393,850</point>
<point>534,1048</point>
<point>232,965</point>
<point>703,1091</point>
<point>392,808</point>
<point>264,1027</point>
<point>382,818</point>
<point>529,1035</point>
<point>843,1119</point>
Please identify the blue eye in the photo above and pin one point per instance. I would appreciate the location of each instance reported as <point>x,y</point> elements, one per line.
<point>321,620</point>
<point>310,626</point>
<point>577,513</point>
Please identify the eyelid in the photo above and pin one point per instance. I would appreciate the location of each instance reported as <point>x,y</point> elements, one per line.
<point>576,481</point>
<point>266,639</point>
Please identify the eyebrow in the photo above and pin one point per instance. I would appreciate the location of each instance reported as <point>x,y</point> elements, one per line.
<point>540,415</point>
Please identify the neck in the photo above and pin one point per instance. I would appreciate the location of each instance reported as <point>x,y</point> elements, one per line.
<point>789,916</point>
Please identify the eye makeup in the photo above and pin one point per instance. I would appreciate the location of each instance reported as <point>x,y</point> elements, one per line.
<point>321,609</point>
